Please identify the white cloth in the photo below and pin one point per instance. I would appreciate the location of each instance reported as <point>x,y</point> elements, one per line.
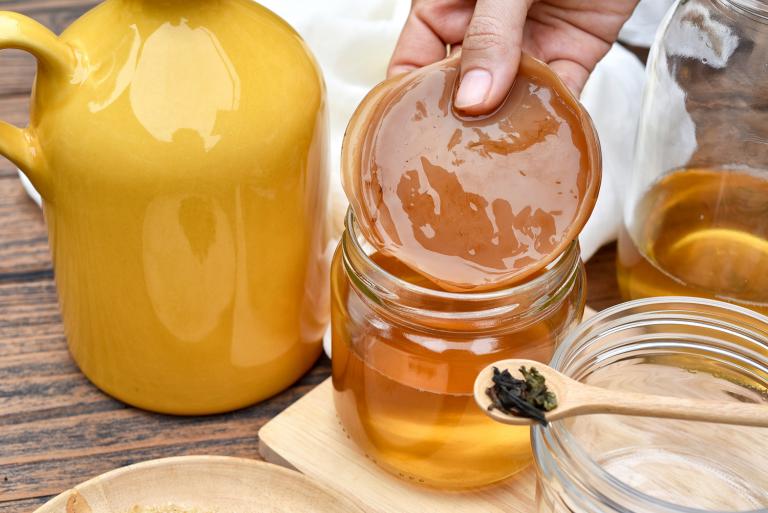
<point>640,29</point>
<point>612,97</point>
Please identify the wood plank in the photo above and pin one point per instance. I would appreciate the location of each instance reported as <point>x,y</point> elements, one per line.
<point>24,505</point>
<point>602,286</point>
<point>29,320</point>
<point>56,429</point>
<point>18,68</point>
<point>93,433</point>
<point>24,247</point>
<point>14,109</point>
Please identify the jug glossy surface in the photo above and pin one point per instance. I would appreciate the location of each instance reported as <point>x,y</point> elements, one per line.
<point>180,150</point>
<point>697,212</point>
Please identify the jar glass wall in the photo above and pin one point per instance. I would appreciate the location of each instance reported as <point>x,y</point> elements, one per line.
<point>696,218</point>
<point>680,347</point>
<point>405,357</point>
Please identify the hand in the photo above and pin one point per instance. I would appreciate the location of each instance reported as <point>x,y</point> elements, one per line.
<point>569,35</point>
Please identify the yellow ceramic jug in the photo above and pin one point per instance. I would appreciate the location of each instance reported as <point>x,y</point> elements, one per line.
<point>180,148</point>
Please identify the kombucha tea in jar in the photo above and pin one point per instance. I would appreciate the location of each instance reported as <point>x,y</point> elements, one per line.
<point>704,233</point>
<point>459,251</point>
<point>696,218</point>
<point>406,355</point>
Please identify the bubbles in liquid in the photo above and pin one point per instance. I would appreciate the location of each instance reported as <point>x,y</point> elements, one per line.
<point>471,203</point>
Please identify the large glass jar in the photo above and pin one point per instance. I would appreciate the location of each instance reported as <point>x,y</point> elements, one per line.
<point>406,355</point>
<point>675,346</point>
<point>696,219</point>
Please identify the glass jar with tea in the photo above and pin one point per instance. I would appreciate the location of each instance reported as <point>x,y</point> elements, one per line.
<point>696,219</point>
<point>459,250</point>
<point>674,346</point>
<point>406,354</point>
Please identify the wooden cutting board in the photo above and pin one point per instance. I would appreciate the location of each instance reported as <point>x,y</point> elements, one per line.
<point>308,437</point>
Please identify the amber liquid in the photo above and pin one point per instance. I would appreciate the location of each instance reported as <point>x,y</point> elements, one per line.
<point>405,396</point>
<point>703,233</point>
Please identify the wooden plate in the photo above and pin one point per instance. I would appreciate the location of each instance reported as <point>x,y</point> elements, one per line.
<point>200,484</point>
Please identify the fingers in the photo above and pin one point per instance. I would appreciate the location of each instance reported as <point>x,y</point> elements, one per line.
<point>430,27</point>
<point>490,54</point>
<point>573,74</point>
<point>418,46</point>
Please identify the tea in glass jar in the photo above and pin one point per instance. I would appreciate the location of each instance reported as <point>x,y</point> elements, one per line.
<point>696,213</point>
<point>459,251</point>
<point>406,355</point>
<point>700,232</point>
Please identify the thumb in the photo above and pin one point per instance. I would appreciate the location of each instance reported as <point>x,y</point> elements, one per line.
<point>490,54</point>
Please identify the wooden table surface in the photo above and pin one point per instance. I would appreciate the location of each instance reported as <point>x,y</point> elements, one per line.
<point>56,429</point>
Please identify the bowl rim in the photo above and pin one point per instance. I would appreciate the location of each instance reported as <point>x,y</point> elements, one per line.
<point>55,503</point>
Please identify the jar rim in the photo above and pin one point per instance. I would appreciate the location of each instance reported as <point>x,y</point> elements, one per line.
<point>515,289</point>
<point>470,312</point>
<point>567,447</point>
<point>757,9</point>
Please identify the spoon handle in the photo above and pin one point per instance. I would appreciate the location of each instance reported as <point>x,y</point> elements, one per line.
<point>599,400</point>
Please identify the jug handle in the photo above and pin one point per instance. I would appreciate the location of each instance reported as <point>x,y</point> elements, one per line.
<point>54,57</point>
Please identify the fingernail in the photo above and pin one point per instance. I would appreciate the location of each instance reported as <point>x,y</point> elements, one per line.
<point>474,88</point>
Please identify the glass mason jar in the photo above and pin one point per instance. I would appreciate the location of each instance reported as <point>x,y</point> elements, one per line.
<point>696,219</point>
<point>676,346</point>
<point>405,358</point>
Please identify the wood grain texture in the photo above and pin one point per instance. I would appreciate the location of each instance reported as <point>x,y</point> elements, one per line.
<point>602,285</point>
<point>24,251</point>
<point>25,505</point>
<point>56,429</point>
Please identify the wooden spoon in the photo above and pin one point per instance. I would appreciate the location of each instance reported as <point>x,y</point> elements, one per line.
<point>575,398</point>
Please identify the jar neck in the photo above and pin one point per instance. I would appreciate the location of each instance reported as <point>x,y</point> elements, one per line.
<point>518,305</point>
<point>721,333</point>
<point>754,8</point>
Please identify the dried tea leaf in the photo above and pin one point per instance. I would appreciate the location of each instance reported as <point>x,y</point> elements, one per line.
<point>528,397</point>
